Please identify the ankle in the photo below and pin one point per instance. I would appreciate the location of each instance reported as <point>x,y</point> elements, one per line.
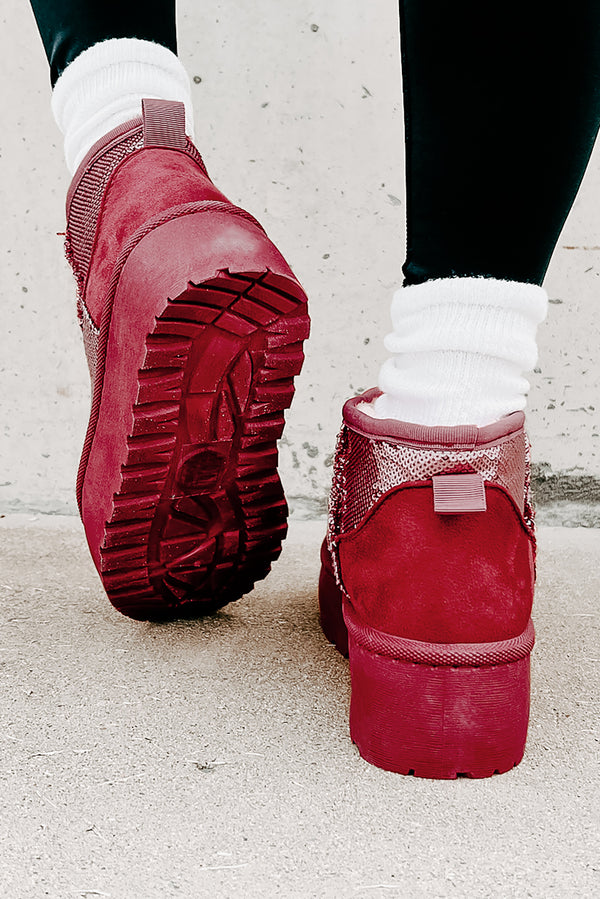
<point>461,347</point>
<point>103,88</point>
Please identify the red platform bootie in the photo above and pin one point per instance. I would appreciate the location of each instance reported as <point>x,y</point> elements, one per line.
<point>427,582</point>
<point>193,326</point>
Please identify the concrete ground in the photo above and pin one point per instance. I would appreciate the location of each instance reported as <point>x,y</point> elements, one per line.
<point>212,759</point>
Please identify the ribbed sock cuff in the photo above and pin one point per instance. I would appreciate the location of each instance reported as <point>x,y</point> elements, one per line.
<point>104,86</point>
<point>461,347</point>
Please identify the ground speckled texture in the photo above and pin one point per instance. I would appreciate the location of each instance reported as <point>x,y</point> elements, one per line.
<point>212,758</point>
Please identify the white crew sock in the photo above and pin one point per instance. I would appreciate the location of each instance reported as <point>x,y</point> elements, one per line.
<point>104,86</point>
<point>461,347</point>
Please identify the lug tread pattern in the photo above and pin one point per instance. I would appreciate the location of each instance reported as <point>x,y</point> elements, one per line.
<point>200,513</point>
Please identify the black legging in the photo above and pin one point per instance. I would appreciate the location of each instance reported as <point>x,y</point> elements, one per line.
<point>501,107</point>
<point>68,27</point>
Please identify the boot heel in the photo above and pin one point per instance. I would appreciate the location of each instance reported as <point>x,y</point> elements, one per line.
<point>422,709</point>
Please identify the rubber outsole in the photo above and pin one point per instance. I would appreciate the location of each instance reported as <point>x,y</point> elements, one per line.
<point>200,512</point>
<point>440,722</point>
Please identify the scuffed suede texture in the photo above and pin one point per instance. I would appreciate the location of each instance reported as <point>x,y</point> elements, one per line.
<point>147,182</point>
<point>416,574</point>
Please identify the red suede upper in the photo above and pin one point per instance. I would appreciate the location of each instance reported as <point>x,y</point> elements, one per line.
<point>147,182</point>
<point>464,578</point>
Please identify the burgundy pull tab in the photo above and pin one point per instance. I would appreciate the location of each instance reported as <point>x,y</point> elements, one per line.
<point>164,124</point>
<point>456,493</point>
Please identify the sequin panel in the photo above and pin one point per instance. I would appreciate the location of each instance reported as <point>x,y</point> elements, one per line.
<point>366,469</point>
<point>90,338</point>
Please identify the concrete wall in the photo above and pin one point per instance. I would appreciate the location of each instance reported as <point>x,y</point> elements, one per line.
<point>299,118</point>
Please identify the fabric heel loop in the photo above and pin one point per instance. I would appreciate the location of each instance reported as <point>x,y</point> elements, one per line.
<point>164,124</point>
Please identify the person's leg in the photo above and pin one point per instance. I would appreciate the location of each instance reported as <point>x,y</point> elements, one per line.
<point>68,27</point>
<point>104,58</point>
<point>502,108</point>
<point>430,546</point>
